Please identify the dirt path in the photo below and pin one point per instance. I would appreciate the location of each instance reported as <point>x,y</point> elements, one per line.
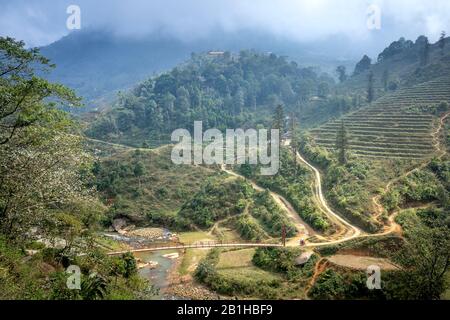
<point>361,262</point>
<point>351,231</point>
<point>438,146</point>
<point>304,230</point>
<point>319,268</point>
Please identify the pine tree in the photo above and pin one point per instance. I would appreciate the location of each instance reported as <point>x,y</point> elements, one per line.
<point>370,90</point>
<point>294,138</point>
<point>342,143</point>
<point>278,119</point>
<point>342,73</point>
<point>442,42</point>
<point>425,53</point>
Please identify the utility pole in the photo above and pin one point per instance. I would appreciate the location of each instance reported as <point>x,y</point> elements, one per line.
<point>283,235</point>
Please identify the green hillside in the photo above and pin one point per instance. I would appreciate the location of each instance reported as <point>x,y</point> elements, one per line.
<point>398,125</point>
<point>225,91</point>
<point>145,186</point>
<point>403,63</point>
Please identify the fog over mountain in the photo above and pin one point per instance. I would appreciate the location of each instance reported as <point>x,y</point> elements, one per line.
<point>42,22</point>
<point>122,42</point>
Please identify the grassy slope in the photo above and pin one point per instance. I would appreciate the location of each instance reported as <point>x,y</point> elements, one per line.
<point>161,190</point>
<point>238,265</point>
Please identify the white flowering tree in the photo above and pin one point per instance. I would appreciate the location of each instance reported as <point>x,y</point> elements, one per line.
<point>43,167</point>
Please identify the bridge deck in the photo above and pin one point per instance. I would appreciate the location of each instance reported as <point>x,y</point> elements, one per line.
<point>199,246</point>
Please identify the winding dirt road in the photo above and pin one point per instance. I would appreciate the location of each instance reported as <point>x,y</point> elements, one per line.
<point>304,229</point>
<point>351,232</point>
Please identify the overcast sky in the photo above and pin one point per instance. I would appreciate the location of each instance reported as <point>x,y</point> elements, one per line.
<point>40,22</point>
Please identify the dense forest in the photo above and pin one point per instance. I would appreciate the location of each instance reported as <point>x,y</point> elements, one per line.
<point>225,91</point>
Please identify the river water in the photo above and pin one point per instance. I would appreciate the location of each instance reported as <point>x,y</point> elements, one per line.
<point>157,276</point>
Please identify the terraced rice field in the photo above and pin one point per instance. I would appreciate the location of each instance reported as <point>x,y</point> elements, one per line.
<point>389,128</point>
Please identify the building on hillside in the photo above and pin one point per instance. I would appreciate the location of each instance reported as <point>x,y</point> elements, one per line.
<point>216,53</point>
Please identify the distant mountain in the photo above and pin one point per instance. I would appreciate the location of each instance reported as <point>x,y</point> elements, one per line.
<point>402,64</point>
<point>97,64</point>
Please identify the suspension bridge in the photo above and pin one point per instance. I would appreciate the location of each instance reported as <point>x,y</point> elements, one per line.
<point>198,245</point>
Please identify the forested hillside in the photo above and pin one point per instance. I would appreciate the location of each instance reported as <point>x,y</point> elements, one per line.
<point>403,63</point>
<point>97,63</point>
<point>225,91</point>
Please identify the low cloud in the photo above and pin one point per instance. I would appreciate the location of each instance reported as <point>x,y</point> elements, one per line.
<point>44,21</point>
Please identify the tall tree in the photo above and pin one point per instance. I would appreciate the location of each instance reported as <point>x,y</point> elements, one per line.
<point>342,143</point>
<point>139,171</point>
<point>238,102</point>
<point>370,88</point>
<point>425,56</point>
<point>25,98</point>
<point>279,119</point>
<point>40,162</point>
<point>442,42</point>
<point>294,137</point>
<point>342,73</point>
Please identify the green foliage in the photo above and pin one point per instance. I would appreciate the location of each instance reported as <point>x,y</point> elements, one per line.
<point>248,227</point>
<point>395,48</point>
<point>222,92</point>
<point>207,273</point>
<point>328,250</point>
<point>146,187</point>
<point>25,99</point>
<point>35,131</point>
<point>44,192</point>
<point>341,71</point>
<point>216,201</point>
<point>346,188</point>
<point>279,119</point>
<point>269,214</point>
<point>206,267</point>
<point>130,267</point>
<point>313,152</point>
<point>43,276</point>
<point>255,215</point>
<point>329,286</point>
<point>347,185</point>
<point>292,182</point>
<point>425,185</point>
<point>425,257</point>
<point>280,260</point>
<point>370,89</point>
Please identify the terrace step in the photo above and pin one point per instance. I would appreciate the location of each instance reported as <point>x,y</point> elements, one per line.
<point>425,146</point>
<point>377,147</point>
